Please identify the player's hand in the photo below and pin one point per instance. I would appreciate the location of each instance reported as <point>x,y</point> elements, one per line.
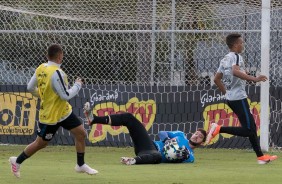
<point>260,78</point>
<point>182,153</point>
<point>170,141</point>
<point>79,80</point>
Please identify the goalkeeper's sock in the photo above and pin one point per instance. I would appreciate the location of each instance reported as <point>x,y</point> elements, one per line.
<point>80,159</point>
<point>22,157</point>
<point>101,120</point>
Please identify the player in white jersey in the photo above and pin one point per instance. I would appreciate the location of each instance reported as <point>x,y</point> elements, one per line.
<point>231,80</point>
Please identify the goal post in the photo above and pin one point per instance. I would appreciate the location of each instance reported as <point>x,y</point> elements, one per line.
<point>265,61</point>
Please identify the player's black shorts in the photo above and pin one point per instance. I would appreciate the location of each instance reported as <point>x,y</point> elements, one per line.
<point>47,132</point>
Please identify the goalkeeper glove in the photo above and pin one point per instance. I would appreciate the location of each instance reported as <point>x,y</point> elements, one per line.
<point>169,141</point>
<point>183,153</point>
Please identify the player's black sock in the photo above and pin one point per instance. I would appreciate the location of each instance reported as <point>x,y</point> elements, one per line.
<point>22,157</point>
<point>80,159</point>
<point>101,120</point>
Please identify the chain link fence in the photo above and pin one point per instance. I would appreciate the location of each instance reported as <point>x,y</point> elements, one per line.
<point>134,42</point>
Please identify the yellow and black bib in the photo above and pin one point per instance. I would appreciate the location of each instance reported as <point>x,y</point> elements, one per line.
<point>52,107</point>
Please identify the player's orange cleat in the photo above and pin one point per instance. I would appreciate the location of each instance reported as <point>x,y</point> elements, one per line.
<point>214,130</point>
<point>266,159</point>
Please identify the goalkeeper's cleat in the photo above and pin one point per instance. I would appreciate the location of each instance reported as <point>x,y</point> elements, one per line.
<point>214,131</point>
<point>128,160</point>
<point>266,159</point>
<point>15,167</point>
<point>88,113</point>
<point>85,169</point>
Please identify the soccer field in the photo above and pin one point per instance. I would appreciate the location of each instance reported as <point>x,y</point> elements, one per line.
<point>55,164</point>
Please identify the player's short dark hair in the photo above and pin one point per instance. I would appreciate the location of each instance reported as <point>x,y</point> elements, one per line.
<point>231,39</point>
<point>204,133</point>
<point>53,51</point>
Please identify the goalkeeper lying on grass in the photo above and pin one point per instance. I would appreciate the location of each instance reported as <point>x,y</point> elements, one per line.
<point>146,150</point>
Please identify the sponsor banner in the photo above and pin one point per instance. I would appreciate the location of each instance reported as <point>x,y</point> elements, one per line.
<point>17,113</point>
<point>144,111</point>
<point>154,106</point>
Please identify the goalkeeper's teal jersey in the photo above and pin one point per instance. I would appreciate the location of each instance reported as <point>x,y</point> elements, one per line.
<point>181,140</point>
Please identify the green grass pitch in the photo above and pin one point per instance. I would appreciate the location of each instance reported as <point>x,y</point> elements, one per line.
<point>55,164</point>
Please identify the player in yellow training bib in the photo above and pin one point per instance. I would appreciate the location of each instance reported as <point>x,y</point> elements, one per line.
<point>50,84</point>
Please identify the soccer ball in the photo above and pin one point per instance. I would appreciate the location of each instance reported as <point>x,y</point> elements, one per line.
<point>170,151</point>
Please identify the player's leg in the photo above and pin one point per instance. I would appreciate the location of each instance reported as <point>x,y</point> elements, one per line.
<point>145,150</point>
<point>150,157</point>
<point>249,128</point>
<point>44,135</point>
<point>144,147</point>
<point>242,110</point>
<point>141,140</point>
<point>73,124</point>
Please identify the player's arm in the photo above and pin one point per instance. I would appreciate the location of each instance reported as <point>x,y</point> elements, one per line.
<point>163,135</point>
<point>61,88</point>
<point>242,75</point>
<point>174,134</point>
<point>32,86</point>
<point>218,82</point>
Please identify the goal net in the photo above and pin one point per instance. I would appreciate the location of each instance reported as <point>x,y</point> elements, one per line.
<point>153,58</point>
